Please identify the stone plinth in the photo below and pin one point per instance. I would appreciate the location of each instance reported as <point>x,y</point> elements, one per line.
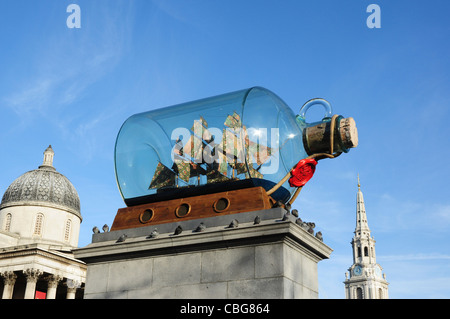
<point>272,259</point>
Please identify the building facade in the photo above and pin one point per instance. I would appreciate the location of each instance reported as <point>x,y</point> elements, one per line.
<point>39,226</point>
<point>365,278</point>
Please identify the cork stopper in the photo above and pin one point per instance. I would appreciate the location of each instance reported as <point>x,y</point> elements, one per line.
<point>348,132</point>
<point>316,139</point>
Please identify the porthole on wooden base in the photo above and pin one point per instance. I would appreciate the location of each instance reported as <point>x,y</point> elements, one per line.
<point>221,205</point>
<point>146,216</point>
<point>183,210</point>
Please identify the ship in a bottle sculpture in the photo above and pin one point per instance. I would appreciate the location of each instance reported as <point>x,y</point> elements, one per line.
<point>237,152</point>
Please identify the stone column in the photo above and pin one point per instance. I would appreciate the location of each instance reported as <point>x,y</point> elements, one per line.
<point>72,286</point>
<point>9,279</point>
<point>32,278</point>
<point>53,281</point>
<point>366,292</point>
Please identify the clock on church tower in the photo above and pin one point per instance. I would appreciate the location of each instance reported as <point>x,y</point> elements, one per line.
<point>364,279</point>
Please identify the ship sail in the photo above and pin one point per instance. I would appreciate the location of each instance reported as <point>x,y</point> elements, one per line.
<point>254,152</point>
<point>232,144</point>
<point>163,177</point>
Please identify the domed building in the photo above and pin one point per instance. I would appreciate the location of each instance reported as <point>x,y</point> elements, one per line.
<point>39,226</point>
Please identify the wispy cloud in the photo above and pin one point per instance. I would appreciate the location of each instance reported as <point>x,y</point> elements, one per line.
<point>425,288</point>
<point>69,63</point>
<point>395,213</point>
<point>442,212</point>
<point>31,99</point>
<point>414,257</point>
<point>73,59</point>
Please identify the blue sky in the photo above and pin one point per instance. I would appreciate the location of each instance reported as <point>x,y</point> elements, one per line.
<point>73,89</point>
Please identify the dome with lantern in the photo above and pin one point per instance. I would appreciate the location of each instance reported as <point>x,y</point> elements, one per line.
<point>43,187</point>
<point>41,202</point>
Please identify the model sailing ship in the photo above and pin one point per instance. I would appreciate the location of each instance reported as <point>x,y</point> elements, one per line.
<point>224,192</point>
<point>223,169</point>
<point>233,155</point>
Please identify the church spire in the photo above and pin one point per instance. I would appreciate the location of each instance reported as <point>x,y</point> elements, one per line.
<point>364,278</point>
<point>361,217</point>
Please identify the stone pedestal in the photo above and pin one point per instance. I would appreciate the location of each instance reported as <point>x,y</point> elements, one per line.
<point>273,259</point>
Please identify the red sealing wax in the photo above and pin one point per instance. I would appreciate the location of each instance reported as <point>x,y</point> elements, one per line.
<point>302,172</point>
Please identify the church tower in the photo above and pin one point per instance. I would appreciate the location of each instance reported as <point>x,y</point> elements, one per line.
<point>366,280</point>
